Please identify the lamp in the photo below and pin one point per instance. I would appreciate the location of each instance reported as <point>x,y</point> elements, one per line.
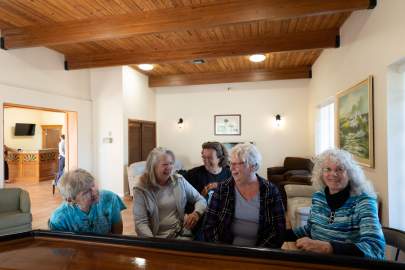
<point>180,123</point>
<point>278,120</point>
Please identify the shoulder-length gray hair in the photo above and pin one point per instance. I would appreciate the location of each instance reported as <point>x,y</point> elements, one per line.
<point>357,180</point>
<point>74,182</point>
<point>248,153</point>
<point>152,160</point>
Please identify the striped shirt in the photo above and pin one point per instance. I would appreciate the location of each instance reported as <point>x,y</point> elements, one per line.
<point>356,221</point>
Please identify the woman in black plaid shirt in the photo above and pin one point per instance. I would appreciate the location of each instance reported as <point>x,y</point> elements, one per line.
<point>246,209</point>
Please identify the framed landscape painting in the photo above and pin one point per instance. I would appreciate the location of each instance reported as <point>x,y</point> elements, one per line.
<point>228,124</point>
<point>354,121</point>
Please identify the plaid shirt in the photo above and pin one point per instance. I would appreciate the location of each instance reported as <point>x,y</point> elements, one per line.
<point>221,211</point>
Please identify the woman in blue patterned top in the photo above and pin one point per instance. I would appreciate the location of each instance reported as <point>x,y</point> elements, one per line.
<point>86,209</point>
<point>344,215</point>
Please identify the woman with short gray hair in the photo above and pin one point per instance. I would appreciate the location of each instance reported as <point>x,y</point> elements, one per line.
<point>86,209</point>
<point>344,212</point>
<point>160,198</point>
<point>246,209</point>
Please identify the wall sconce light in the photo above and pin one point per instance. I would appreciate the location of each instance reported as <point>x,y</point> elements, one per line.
<point>278,120</point>
<point>180,123</point>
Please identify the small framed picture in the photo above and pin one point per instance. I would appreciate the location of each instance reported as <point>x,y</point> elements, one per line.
<point>227,124</point>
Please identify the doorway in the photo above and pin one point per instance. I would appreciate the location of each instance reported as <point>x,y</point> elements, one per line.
<point>141,139</point>
<point>41,144</point>
<point>51,135</point>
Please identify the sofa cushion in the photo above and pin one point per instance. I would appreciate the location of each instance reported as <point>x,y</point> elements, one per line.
<point>295,163</point>
<point>14,218</point>
<point>291,173</point>
<point>10,199</point>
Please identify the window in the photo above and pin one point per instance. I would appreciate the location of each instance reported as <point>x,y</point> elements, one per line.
<point>325,128</point>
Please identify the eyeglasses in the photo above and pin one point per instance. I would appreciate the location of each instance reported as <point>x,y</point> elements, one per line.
<point>339,170</point>
<point>233,164</point>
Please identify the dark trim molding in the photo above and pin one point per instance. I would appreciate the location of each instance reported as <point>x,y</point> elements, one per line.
<point>66,65</point>
<point>310,73</point>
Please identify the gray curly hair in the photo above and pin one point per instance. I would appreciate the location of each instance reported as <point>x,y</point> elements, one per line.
<point>75,181</point>
<point>248,153</point>
<point>358,181</point>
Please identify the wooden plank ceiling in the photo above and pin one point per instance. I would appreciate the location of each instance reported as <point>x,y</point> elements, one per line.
<point>170,34</point>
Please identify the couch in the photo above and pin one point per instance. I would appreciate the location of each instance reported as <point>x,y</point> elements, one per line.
<point>15,211</point>
<point>294,171</point>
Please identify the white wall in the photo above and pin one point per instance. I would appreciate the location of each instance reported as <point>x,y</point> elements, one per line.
<point>108,123</point>
<point>257,103</point>
<point>36,77</point>
<point>42,70</point>
<point>37,117</point>
<point>370,42</point>
<point>139,101</point>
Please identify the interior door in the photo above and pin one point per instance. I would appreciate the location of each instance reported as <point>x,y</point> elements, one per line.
<point>134,142</point>
<point>148,138</point>
<point>141,139</point>
<point>50,136</point>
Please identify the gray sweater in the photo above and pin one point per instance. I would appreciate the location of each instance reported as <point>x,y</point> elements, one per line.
<point>146,212</point>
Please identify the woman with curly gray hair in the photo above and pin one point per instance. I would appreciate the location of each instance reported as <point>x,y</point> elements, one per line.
<point>344,216</point>
<point>245,209</point>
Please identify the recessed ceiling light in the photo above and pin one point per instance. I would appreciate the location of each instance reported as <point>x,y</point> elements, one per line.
<point>257,58</point>
<point>198,61</point>
<point>145,67</point>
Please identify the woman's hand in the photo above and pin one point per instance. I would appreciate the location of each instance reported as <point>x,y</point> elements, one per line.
<point>190,220</point>
<point>208,187</point>
<point>317,246</point>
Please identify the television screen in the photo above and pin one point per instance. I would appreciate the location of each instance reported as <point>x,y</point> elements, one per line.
<point>22,129</point>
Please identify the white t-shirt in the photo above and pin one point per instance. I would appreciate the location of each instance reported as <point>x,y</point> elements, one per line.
<point>61,146</point>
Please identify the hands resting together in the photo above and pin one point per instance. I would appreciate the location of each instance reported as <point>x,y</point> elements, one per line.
<point>307,244</point>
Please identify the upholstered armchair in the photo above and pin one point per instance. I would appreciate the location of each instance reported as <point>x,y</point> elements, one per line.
<point>299,199</point>
<point>295,171</point>
<point>15,211</point>
<point>135,171</point>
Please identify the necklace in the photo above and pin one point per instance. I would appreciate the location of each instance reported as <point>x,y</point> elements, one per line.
<point>331,217</point>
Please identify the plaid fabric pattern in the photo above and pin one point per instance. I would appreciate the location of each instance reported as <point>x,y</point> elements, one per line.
<point>221,211</point>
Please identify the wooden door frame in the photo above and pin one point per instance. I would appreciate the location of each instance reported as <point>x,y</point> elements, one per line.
<point>72,134</point>
<point>50,127</point>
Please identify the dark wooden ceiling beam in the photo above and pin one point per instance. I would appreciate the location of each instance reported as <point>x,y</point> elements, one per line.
<point>174,19</point>
<point>287,42</point>
<point>230,77</point>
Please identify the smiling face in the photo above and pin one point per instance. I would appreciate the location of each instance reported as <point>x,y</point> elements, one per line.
<point>87,197</point>
<point>240,170</point>
<point>210,159</point>
<point>164,168</point>
<point>334,176</point>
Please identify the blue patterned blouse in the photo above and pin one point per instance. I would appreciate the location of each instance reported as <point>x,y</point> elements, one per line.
<point>356,221</point>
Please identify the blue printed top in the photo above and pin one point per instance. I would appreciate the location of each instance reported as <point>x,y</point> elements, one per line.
<point>356,221</point>
<point>70,218</point>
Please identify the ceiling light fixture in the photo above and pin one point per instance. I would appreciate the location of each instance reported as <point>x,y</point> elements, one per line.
<point>257,58</point>
<point>198,61</point>
<point>145,67</point>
